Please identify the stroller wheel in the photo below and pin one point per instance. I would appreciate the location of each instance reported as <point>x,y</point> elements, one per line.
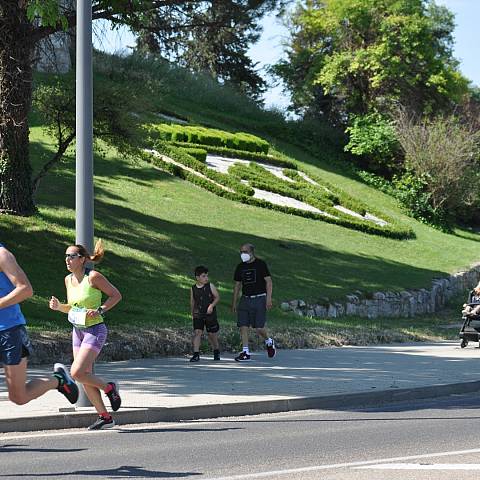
<point>464,344</point>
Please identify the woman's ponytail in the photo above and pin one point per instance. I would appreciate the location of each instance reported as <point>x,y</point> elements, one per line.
<point>98,252</point>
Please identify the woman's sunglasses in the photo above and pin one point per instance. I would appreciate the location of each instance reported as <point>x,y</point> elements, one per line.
<point>72,255</point>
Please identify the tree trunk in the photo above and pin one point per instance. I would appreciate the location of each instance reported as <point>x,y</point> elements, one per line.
<point>16,50</point>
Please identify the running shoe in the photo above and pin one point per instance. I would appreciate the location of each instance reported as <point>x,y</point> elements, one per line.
<point>66,384</point>
<point>195,357</point>
<point>216,354</point>
<point>101,423</point>
<point>113,396</point>
<point>271,350</point>
<point>243,357</point>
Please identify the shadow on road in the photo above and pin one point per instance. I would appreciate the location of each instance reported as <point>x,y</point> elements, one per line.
<point>125,471</point>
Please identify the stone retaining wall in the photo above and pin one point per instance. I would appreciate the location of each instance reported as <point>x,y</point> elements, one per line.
<point>406,303</point>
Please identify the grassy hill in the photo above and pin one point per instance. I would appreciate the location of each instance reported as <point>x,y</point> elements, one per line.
<point>157,228</point>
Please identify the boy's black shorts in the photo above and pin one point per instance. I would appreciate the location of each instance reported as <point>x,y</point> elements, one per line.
<point>208,322</point>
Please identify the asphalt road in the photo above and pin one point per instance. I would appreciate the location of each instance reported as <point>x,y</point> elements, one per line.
<point>438,439</point>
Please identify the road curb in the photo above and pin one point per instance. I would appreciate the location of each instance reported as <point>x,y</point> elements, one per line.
<point>174,414</point>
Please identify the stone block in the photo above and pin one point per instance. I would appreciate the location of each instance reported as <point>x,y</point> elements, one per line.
<point>332,311</point>
<point>352,299</point>
<point>285,306</point>
<point>351,308</point>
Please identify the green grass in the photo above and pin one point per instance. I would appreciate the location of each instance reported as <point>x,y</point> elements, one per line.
<point>157,228</point>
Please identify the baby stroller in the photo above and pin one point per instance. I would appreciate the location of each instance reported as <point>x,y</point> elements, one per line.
<point>470,331</point>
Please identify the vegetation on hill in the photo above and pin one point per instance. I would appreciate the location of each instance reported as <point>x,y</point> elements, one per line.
<point>362,65</point>
<point>157,228</point>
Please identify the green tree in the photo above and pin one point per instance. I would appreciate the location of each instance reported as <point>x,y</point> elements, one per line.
<point>350,58</point>
<point>23,23</point>
<point>112,119</point>
<point>211,37</point>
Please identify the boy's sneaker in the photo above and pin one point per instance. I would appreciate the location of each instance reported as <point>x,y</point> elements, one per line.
<point>101,423</point>
<point>243,357</point>
<point>66,384</point>
<point>271,350</point>
<point>195,357</point>
<point>113,396</point>
<point>216,354</point>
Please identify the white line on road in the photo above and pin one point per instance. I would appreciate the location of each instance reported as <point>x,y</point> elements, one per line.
<point>117,429</point>
<point>423,466</point>
<point>315,468</point>
<point>65,433</point>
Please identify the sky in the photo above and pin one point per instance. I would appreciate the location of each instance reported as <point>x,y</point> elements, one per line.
<point>269,48</point>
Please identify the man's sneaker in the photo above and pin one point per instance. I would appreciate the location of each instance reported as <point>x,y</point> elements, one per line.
<point>271,350</point>
<point>243,357</point>
<point>113,396</point>
<point>101,423</point>
<point>195,357</point>
<point>216,354</point>
<point>66,384</point>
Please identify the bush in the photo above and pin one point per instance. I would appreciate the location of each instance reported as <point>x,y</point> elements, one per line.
<point>378,182</point>
<point>373,138</point>
<point>442,159</point>
<point>412,192</point>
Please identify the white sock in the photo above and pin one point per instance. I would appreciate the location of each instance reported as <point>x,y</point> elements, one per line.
<point>268,341</point>
<point>245,349</point>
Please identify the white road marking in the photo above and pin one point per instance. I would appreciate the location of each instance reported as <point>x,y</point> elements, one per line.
<point>65,433</point>
<point>275,473</point>
<point>118,429</point>
<point>423,466</point>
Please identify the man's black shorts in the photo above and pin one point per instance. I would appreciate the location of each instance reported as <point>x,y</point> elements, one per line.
<point>207,322</point>
<point>14,345</point>
<point>252,312</point>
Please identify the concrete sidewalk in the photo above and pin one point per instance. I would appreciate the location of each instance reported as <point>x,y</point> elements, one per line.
<point>172,389</point>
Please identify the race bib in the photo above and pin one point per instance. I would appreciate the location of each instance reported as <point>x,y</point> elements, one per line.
<point>77,316</point>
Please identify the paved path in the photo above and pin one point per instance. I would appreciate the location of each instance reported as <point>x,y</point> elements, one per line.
<point>174,389</point>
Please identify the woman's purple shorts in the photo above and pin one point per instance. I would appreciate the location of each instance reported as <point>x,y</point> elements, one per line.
<point>92,337</point>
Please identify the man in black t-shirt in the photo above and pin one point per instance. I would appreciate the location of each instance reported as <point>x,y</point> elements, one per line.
<point>253,277</point>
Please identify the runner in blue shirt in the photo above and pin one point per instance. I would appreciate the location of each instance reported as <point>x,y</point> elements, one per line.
<point>15,346</point>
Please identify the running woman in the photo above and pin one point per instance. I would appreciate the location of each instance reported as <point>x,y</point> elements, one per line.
<point>15,346</point>
<point>85,311</point>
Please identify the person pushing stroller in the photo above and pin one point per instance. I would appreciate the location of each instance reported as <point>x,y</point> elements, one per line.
<point>470,331</point>
<point>472,307</point>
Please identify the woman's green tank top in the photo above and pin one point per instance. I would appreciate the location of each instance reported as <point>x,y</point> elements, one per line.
<point>84,296</point>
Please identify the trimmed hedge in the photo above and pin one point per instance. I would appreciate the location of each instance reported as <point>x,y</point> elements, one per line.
<point>209,136</point>
<point>199,153</point>
<point>244,155</point>
<point>324,197</point>
<point>258,177</point>
<point>181,156</point>
<point>338,196</point>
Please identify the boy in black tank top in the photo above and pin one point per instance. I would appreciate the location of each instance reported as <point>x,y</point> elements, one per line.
<point>203,300</point>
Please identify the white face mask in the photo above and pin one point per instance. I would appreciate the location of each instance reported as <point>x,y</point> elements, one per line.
<point>245,257</point>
